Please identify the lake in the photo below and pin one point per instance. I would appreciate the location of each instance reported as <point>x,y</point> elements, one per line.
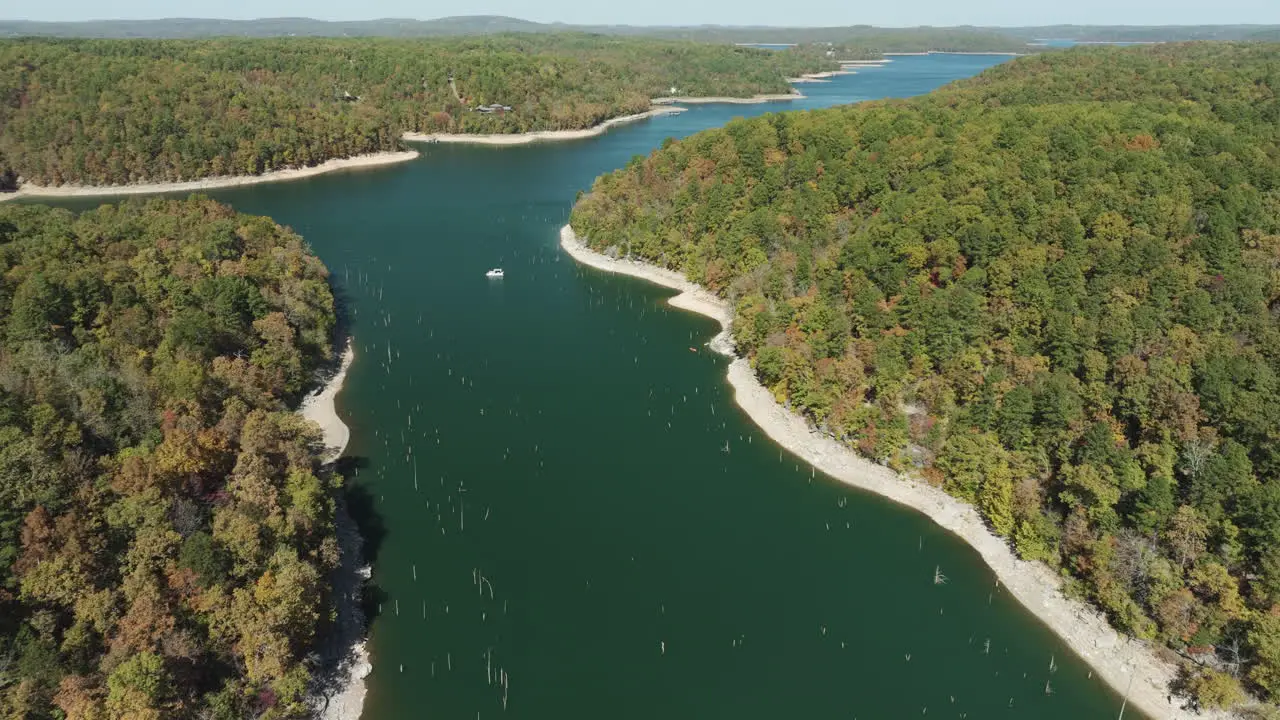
<point>569,516</point>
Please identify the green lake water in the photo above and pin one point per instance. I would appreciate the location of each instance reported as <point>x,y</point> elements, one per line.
<point>559,493</point>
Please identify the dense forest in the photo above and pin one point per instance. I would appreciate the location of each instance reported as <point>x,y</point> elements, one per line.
<point>110,112</point>
<point>165,526</point>
<point>1052,290</point>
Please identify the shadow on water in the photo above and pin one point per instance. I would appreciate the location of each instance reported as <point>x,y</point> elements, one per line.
<point>363,508</point>
<point>360,532</point>
<point>343,306</point>
<point>372,600</point>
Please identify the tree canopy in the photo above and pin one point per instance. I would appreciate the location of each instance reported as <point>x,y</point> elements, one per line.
<point>164,522</point>
<point>109,112</point>
<point>1052,290</point>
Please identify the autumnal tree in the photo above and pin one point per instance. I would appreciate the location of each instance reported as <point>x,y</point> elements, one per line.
<point>160,510</point>
<point>124,111</point>
<point>1058,281</point>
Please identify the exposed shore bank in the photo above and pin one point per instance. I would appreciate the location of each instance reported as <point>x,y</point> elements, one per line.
<point>319,408</point>
<point>1127,665</point>
<point>661,106</point>
<point>753,100</point>
<point>351,163</point>
<point>540,135</point>
<point>952,52</point>
<point>820,77</point>
<point>345,664</point>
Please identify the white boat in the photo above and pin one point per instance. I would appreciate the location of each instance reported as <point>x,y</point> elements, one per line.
<point>494,273</point>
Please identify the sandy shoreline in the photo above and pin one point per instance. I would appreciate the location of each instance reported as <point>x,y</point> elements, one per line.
<point>359,161</point>
<point>319,408</point>
<point>753,100</point>
<point>345,664</point>
<point>820,77</point>
<point>1115,658</point>
<point>951,52</point>
<point>538,136</point>
<point>661,106</point>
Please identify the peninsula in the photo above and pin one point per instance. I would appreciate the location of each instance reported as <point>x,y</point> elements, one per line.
<point>197,114</point>
<point>1128,665</point>
<point>961,287</point>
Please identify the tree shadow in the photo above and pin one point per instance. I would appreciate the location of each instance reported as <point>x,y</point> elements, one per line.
<point>372,599</point>
<point>340,658</point>
<point>362,505</point>
<point>344,319</point>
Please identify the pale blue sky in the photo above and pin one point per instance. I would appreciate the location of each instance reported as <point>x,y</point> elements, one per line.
<point>684,12</point>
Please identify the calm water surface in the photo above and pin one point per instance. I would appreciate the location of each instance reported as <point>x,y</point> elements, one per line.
<point>570,517</point>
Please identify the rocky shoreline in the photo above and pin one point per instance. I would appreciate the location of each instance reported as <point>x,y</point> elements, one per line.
<point>339,689</point>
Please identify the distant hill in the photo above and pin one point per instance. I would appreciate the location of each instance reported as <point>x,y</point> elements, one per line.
<point>887,39</point>
<point>917,39</point>
<point>177,28</point>
<point>865,38</point>
<point>1146,33</point>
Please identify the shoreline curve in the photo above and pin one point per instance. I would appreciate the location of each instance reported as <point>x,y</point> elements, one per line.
<point>343,650</point>
<point>225,181</point>
<point>1129,666</point>
<point>725,100</point>
<point>954,52</point>
<point>661,106</point>
<point>319,407</point>
<point>537,135</point>
<point>821,77</point>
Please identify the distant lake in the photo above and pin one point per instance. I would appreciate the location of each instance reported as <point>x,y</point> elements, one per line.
<point>567,509</point>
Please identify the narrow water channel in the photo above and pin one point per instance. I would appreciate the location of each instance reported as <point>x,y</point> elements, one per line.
<point>570,518</point>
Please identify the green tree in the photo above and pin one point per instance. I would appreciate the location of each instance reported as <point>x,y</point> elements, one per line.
<point>137,688</point>
<point>1059,283</point>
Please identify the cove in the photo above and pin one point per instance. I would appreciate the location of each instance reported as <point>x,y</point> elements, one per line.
<point>569,517</point>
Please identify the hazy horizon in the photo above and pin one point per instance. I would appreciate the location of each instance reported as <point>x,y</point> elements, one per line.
<point>814,13</point>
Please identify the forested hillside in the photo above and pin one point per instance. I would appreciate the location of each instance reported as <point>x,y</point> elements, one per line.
<point>120,111</point>
<point>164,525</point>
<point>1052,290</point>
